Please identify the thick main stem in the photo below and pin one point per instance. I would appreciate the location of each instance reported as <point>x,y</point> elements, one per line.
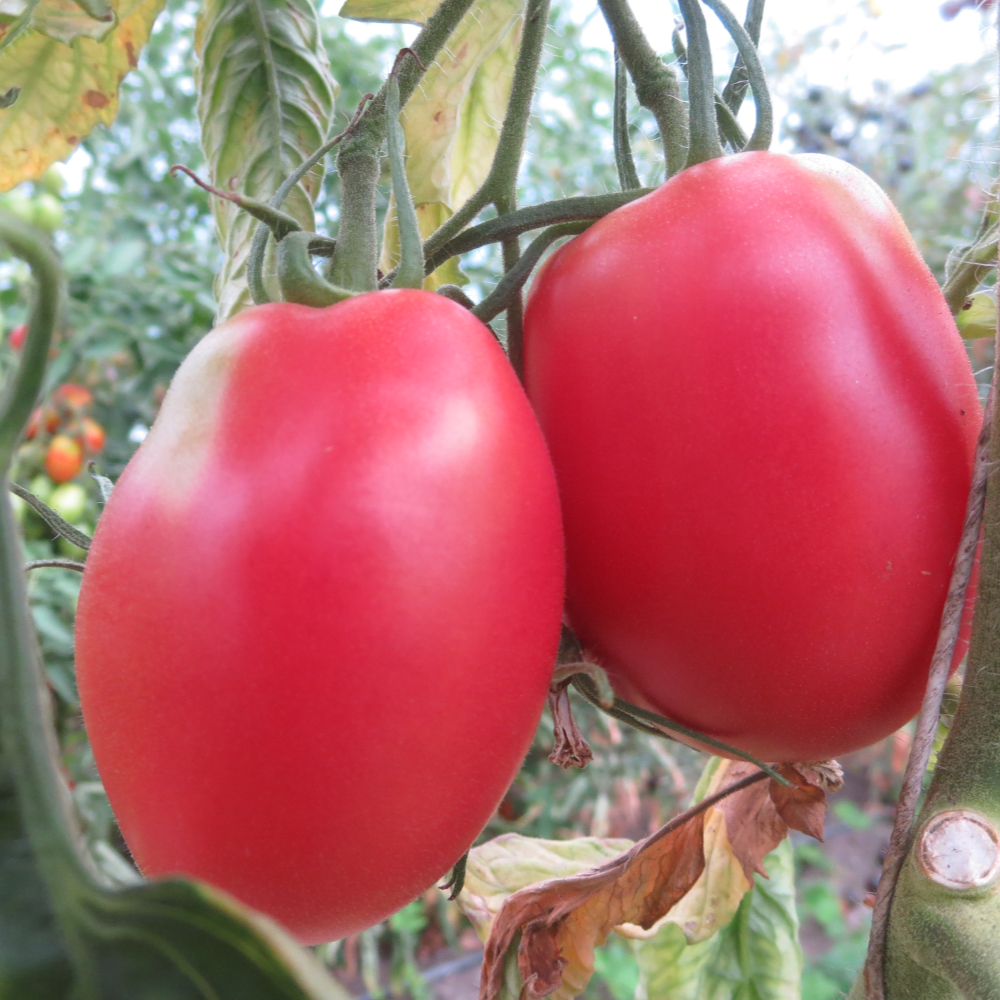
<point>27,740</point>
<point>355,263</point>
<point>656,84</point>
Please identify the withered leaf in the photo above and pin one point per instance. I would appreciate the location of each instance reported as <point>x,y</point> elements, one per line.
<point>561,920</point>
<point>554,925</point>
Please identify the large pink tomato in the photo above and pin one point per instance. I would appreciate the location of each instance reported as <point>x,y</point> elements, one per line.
<point>762,422</point>
<point>321,610</point>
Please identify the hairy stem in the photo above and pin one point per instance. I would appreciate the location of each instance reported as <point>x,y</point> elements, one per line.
<point>514,279</point>
<point>628,179</point>
<point>764,127</point>
<point>533,217</point>
<point>410,273</point>
<point>355,264</point>
<point>656,84</point>
<point>736,88</point>
<point>704,143</point>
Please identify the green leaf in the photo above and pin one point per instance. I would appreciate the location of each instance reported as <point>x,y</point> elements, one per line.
<point>390,11</point>
<point>452,122</point>
<point>66,67</point>
<point>33,961</point>
<point>755,956</point>
<point>266,102</point>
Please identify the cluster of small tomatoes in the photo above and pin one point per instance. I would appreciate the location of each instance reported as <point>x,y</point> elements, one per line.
<point>65,430</point>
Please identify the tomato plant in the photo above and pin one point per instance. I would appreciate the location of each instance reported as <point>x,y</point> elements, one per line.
<point>762,421</point>
<point>321,608</point>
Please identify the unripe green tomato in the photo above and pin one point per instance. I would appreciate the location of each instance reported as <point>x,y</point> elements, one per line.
<point>18,203</point>
<point>53,180</point>
<point>69,501</point>
<point>70,551</point>
<point>42,487</point>
<point>47,212</point>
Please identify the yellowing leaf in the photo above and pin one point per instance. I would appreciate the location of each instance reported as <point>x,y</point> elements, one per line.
<point>978,317</point>
<point>755,955</point>
<point>390,11</point>
<point>452,121</point>
<point>66,87</point>
<point>510,862</point>
<point>715,897</point>
<point>265,104</point>
<point>554,925</point>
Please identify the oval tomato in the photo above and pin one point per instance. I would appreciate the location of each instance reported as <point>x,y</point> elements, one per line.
<point>320,613</point>
<point>763,423</point>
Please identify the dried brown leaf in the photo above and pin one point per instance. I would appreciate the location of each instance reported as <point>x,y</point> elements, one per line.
<point>561,920</point>
<point>803,806</point>
<point>554,926</point>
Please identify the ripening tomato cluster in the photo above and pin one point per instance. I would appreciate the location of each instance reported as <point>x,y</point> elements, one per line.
<point>758,426</point>
<point>70,436</point>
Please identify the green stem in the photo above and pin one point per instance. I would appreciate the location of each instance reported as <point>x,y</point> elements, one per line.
<point>764,127</point>
<point>701,87</point>
<point>21,393</point>
<point>355,264</point>
<point>729,127</point>
<point>514,279</point>
<point>502,180</point>
<point>534,217</point>
<point>628,179</point>
<point>656,84</point>
<point>654,724</point>
<point>410,273</point>
<point>52,518</point>
<point>502,177</point>
<point>968,268</point>
<point>28,742</point>
<point>736,87</point>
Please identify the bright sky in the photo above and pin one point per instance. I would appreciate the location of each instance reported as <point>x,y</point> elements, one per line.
<point>895,40</point>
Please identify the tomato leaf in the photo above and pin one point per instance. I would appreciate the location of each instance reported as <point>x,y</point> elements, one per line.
<point>978,317</point>
<point>695,878</point>
<point>452,122</point>
<point>33,960</point>
<point>511,862</point>
<point>266,102</point>
<point>390,11</point>
<point>67,67</point>
<point>754,955</point>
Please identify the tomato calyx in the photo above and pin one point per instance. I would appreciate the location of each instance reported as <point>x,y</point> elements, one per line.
<point>297,278</point>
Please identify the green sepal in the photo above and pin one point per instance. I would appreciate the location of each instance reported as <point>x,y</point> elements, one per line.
<point>297,277</point>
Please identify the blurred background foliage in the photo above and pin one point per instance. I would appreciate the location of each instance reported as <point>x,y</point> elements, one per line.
<point>140,252</point>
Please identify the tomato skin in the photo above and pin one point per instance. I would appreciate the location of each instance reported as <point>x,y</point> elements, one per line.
<point>321,609</point>
<point>763,424</point>
<point>92,436</point>
<point>63,458</point>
